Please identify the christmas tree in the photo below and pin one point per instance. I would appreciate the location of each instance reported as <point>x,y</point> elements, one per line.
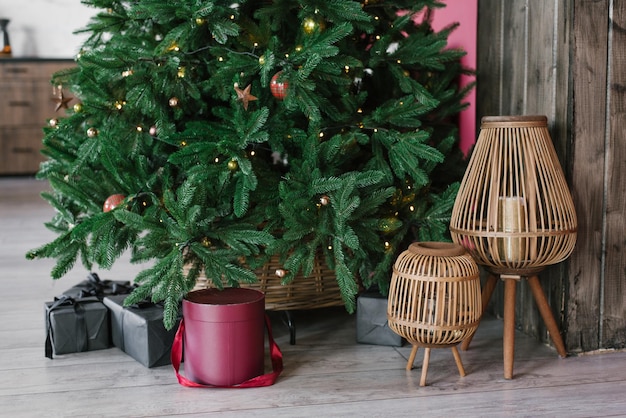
<point>209,135</point>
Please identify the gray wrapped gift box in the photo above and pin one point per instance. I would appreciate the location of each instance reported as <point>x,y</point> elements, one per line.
<point>371,321</point>
<point>139,331</point>
<point>75,325</point>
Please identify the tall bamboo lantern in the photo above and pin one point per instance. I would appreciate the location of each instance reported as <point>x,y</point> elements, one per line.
<point>515,215</point>
<point>434,299</point>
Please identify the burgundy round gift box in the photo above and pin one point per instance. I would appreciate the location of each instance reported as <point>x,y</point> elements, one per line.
<point>224,335</point>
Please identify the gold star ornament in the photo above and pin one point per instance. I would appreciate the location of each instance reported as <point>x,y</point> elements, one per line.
<point>244,95</point>
<point>61,101</point>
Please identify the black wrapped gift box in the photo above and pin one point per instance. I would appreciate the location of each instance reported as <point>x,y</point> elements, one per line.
<point>371,321</point>
<point>76,325</point>
<point>94,286</point>
<point>139,331</point>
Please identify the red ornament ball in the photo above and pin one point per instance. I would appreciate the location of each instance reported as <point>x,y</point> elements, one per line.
<point>278,88</point>
<point>112,202</point>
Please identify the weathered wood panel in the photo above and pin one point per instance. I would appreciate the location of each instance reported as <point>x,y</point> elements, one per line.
<point>514,53</point>
<point>545,53</point>
<point>588,159</point>
<point>489,65</point>
<point>613,321</point>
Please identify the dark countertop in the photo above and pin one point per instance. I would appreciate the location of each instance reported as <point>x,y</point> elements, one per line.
<point>34,59</point>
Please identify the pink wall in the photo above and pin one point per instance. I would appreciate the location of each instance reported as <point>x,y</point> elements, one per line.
<point>466,13</point>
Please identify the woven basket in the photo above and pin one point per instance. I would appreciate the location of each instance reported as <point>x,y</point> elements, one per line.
<point>319,290</point>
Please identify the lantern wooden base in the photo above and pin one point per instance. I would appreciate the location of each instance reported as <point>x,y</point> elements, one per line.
<point>508,338</point>
<point>409,364</point>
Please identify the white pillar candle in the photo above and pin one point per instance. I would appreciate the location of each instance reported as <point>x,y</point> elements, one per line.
<point>512,219</point>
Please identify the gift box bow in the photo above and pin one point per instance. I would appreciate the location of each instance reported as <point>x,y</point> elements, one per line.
<point>94,286</point>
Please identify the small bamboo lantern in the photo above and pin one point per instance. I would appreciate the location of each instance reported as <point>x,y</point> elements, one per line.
<point>434,299</point>
<point>515,215</point>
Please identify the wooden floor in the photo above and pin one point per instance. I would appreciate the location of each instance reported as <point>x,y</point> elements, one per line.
<point>326,373</point>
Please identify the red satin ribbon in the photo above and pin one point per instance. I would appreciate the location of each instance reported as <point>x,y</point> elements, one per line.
<point>267,379</point>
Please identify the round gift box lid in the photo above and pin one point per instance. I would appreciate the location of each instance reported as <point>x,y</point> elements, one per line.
<point>227,305</point>
<point>227,296</point>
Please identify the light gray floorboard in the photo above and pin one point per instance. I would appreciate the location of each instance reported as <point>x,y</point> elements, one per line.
<point>326,373</point>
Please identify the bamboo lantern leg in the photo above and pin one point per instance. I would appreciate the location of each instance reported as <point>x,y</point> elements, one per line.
<point>425,366</point>
<point>409,364</point>
<point>487,292</point>
<point>546,314</point>
<point>509,326</point>
<point>457,360</point>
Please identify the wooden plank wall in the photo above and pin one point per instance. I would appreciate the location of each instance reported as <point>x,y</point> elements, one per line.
<point>589,73</point>
<point>566,59</point>
<point>614,316</point>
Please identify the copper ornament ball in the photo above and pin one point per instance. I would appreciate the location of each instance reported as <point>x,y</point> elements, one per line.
<point>278,88</point>
<point>112,202</point>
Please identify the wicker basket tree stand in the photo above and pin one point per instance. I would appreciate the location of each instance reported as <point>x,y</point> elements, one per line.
<point>319,290</point>
<point>434,299</point>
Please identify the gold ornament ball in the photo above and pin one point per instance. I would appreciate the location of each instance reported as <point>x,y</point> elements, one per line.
<point>53,122</point>
<point>78,107</point>
<point>233,165</point>
<point>280,273</point>
<point>311,25</point>
<point>389,224</point>
<point>324,200</point>
<point>200,21</point>
<point>206,242</point>
<point>92,132</point>
<point>173,102</point>
<point>262,60</point>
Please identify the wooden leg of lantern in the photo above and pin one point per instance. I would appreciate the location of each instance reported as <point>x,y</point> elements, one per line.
<point>409,364</point>
<point>509,326</point>
<point>486,294</point>
<point>457,360</point>
<point>425,366</point>
<point>546,314</point>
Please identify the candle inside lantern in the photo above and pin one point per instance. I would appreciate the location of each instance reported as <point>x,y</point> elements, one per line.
<point>511,219</point>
